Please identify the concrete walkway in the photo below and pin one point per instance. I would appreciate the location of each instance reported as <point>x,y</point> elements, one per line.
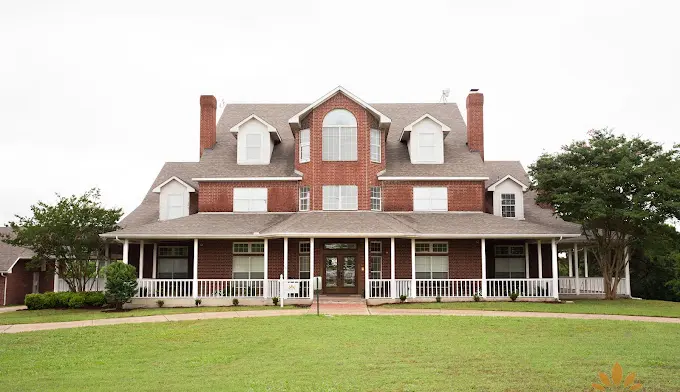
<point>326,309</point>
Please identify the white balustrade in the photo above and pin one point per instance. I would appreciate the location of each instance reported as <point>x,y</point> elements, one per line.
<point>164,288</point>
<point>448,288</point>
<point>591,285</point>
<point>96,284</point>
<point>532,288</point>
<point>379,288</point>
<point>403,287</point>
<point>275,289</point>
<point>220,288</point>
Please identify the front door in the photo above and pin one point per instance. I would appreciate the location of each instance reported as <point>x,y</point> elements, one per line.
<point>340,274</point>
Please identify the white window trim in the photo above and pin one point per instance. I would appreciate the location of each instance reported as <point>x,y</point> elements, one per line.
<point>308,198</point>
<point>184,254</point>
<point>514,205</point>
<point>249,199</point>
<point>377,145</point>
<point>430,269</point>
<point>430,245</point>
<point>304,158</point>
<point>430,199</point>
<point>251,258</point>
<point>508,253</point>
<point>341,129</point>
<point>250,248</point>
<point>325,203</point>
<point>378,198</point>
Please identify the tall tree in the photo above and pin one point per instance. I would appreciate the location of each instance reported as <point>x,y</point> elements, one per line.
<point>67,234</point>
<point>618,189</point>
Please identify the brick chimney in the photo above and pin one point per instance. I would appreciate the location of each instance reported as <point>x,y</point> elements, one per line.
<point>475,121</point>
<point>208,122</point>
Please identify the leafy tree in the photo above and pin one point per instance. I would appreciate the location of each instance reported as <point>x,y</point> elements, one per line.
<point>618,189</point>
<point>121,283</point>
<point>656,265</point>
<point>67,233</point>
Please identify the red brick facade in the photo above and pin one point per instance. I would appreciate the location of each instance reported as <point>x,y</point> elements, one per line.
<point>462,195</point>
<point>208,122</point>
<point>475,122</point>
<point>20,282</point>
<point>282,196</point>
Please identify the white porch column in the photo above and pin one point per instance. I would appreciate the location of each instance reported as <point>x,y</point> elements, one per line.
<point>393,281</point>
<point>367,291</point>
<point>413,267</point>
<point>578,285</point>
<point>553,253</point>
<point>585,262</point>
<point>569,259</point>
<point>195,283</point>
<point>627,271</point>
<point>154,267</point>
<point>107,252</point>
<point>285,259</point>
<point>56,282</point>
<point>141,259</point>
<point>311,268</point>
<point>483,249</point>
<point>265,292</point>
<point>126,250</point>
<point>526,258</point>
<point>540,260</point>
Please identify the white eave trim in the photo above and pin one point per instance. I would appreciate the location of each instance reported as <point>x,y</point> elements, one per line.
<point>272,130</point>
<point>406,132</point>
<point>339,235</point>
<point>9,270</point>
<point>492,187</point>
<point>173,178</point>
<point>388,178</point>
<point>294,121</point>
<point>232,179</point>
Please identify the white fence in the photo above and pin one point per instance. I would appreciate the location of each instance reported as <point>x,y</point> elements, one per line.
<point>238,288</point>
<point>448,288</point>
<point>532,288</point>
<point>165,288</point>
<point>587,286</point>
<point>275,290</point>
<point>97,284</point>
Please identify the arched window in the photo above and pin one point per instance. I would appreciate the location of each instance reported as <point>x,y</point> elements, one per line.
<point>339,136</point>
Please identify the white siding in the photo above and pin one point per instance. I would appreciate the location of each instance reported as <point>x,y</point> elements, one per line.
<point>426,133</point>
<point>509,186</point>
<point>174,201</point>
<point>252,129</point>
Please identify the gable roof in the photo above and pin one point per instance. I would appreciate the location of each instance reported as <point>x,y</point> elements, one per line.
<point>10,254</point>
<point>271,129</point>
<point>173,178</point>
<point>406,132</point>
<point>383,120</point>
<point>493,186</point>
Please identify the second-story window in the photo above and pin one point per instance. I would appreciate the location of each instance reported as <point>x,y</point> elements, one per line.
<point>340,197</point>
<point>376,198</point>
<point>304,198</point>
<point>375,145</point>
<point>508,205</point>
<point>305,151</point>
<point>339,136</point>
<point>430,199</point>
<point>253,147</point>
<point>250,199</point>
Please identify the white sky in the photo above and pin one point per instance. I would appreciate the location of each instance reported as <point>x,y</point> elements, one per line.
<point>102,95</point>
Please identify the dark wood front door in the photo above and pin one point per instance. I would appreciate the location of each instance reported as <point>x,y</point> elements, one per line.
<point>340,274</point>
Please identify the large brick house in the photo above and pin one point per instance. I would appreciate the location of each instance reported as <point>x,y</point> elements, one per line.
<point>379,200</point>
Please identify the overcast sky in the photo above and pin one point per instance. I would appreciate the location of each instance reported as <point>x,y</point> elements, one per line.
<point>102,95</point>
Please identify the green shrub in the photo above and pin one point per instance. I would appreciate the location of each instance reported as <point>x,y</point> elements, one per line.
<point>513,296</point>
<point>477,298</point>
<point>198,301</point>
<point>64,300</point>
<point>234,301</point>
<point>34,301</point>
<point>275,301</point>
<point>438,299</point>
<point>160,303</point>
<point>121,283</point>
<point>76,301</point>
<point>95,299</point>
<point>402,298</point>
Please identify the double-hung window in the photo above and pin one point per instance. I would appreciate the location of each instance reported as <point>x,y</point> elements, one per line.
<point>248,260</point>
<point>339,136</point>
<point>173,262</point>
<point>432,260</point>
<point>304,198</point>
<point>340,197</point>
<point>510,261</point>
<point>430,199</point>
<point>376,198</point>
<point>375,266</point>
<point>508,205</point>
<point>304,260</point>
<point>305,151</point>
<point>250,199</point>
<point>375,145</point>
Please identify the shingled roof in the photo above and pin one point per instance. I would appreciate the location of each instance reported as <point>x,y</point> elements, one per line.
<point>10,254</point>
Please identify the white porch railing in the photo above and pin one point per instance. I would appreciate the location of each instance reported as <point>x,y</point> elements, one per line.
<point>379,288</point>
<point>241,288</point>
<point>275,289</point>
<point>164,288</point>
<point>592,285</point>
<point>97,284</point>
<point>448,288</point>
<point>403,287</point>
<point>532,288</point>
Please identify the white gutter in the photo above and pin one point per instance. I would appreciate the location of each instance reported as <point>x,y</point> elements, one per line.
<point>389,178</point>
<point>338,235</point>
<point>4,295</point>
<point>234,179</point>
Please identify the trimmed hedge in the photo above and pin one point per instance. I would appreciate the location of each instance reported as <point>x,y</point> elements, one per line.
<point>64,300</point>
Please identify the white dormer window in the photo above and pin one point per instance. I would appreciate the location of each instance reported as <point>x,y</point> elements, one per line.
<point>250,199</point>
<point>508,197</point>
<point>305,151</point>
<point>174,198</point>
<point>255,141</point>
<point>339,136</point>
<point>425,140</point>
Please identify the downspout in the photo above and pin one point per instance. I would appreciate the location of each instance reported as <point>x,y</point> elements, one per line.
<point>4,295</point>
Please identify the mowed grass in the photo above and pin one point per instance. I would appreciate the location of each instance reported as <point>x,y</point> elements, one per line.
<point>343,353</point>
<point>56,315</point>
<point>631,307</point>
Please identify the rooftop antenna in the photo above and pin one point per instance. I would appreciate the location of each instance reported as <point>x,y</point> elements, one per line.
<point>445,95</point>
<point>222,104</point>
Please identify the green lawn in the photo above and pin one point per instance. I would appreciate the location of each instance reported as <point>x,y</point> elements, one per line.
<point>631,307</point>
<point>55,315</point>
<point>388,353</point>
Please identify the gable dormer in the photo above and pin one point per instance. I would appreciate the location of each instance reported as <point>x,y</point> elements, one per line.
<point>425,140</point>
<point>508,197</point>
<point>255,141</point>
<point>175,196</point>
